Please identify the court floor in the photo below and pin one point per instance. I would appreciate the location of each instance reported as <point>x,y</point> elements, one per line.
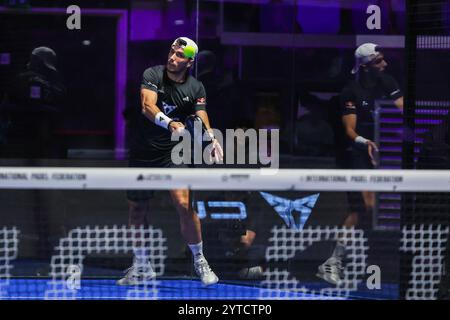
<point>168,289</point>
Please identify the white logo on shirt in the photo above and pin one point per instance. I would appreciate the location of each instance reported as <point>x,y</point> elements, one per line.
<point>186,99</point>
<point>168,108</point>
<point>365,103</point>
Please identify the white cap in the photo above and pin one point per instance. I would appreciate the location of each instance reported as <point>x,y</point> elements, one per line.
<point>364,54</point>
<point>189,46</point>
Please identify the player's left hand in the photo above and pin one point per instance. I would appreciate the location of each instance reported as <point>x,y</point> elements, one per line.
<point>216,152</point>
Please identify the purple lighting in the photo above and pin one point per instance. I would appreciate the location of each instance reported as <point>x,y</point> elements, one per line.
<point>307,18</point>
<point>391,120</point>
<point>390,196</point>
<point>427,121</point>
<point>121,79</point>
<point>391,140</point>
<point>391,149</point>
<point>391,159</point>
<point>434,112</point>
<point>144,24</point>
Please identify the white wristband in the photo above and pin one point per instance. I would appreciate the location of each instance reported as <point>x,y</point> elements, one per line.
<point>162,120</point>
<point>361,140</point>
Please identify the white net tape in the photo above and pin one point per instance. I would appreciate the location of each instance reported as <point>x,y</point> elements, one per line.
<point>9,242</point>
<point>67,263</point>
<point>285,243</point>
<point>427,244</point>
<point>223,179</point>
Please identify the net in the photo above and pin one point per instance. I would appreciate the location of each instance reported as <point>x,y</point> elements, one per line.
<point>285,234</point>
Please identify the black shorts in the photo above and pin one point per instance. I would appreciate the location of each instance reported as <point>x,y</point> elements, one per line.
<point>141,195</point>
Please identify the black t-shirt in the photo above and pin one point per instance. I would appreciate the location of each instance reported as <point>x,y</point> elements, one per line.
<point>360,100</point>
<point>176,100</point>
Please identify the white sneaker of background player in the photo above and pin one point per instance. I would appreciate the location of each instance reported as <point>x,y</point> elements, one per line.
<point>331,270</point>
<point>203,270</point>
<point>137,275</point>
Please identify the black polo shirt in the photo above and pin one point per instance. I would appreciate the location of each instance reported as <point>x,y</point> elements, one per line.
<point>176,100</point>
<point>360,100</point>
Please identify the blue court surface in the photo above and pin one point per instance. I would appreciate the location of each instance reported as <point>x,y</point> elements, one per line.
<point>172,289</point>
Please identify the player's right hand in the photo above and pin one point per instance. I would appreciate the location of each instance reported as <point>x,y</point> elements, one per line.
<point>372,149</point>
<point>176,126</point>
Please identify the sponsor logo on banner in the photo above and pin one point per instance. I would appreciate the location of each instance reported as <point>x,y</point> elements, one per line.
<point>13,176</point>
<point>386,179</point>
<point>323,178</point>
<point>295,213</point>
<point>354,179</point>
<point>154,177</point>
<point>235,177</point>
<point>69,176</point>
<point>40,176</point>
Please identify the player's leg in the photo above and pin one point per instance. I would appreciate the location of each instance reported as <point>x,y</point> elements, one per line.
<point>252,257</point>
<point>138,211</point>
<point>189,221</point>
<point>361,205</point>
<point>191,231</point>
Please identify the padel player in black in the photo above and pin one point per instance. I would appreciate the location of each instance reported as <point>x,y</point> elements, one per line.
<point>357,103</point>
<point>169,94</point>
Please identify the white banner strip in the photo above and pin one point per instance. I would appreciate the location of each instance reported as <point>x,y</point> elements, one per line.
<point>224,179</point>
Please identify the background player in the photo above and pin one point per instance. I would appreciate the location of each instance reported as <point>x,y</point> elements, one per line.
<point>357,103</point>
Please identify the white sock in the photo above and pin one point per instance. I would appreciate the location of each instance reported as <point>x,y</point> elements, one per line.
<point>141,256</point>
<point>197,250</point>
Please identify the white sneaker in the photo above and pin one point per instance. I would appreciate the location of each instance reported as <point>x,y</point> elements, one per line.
<point>203,270</point>
<point>137,276</point>
<point>331,271</point>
